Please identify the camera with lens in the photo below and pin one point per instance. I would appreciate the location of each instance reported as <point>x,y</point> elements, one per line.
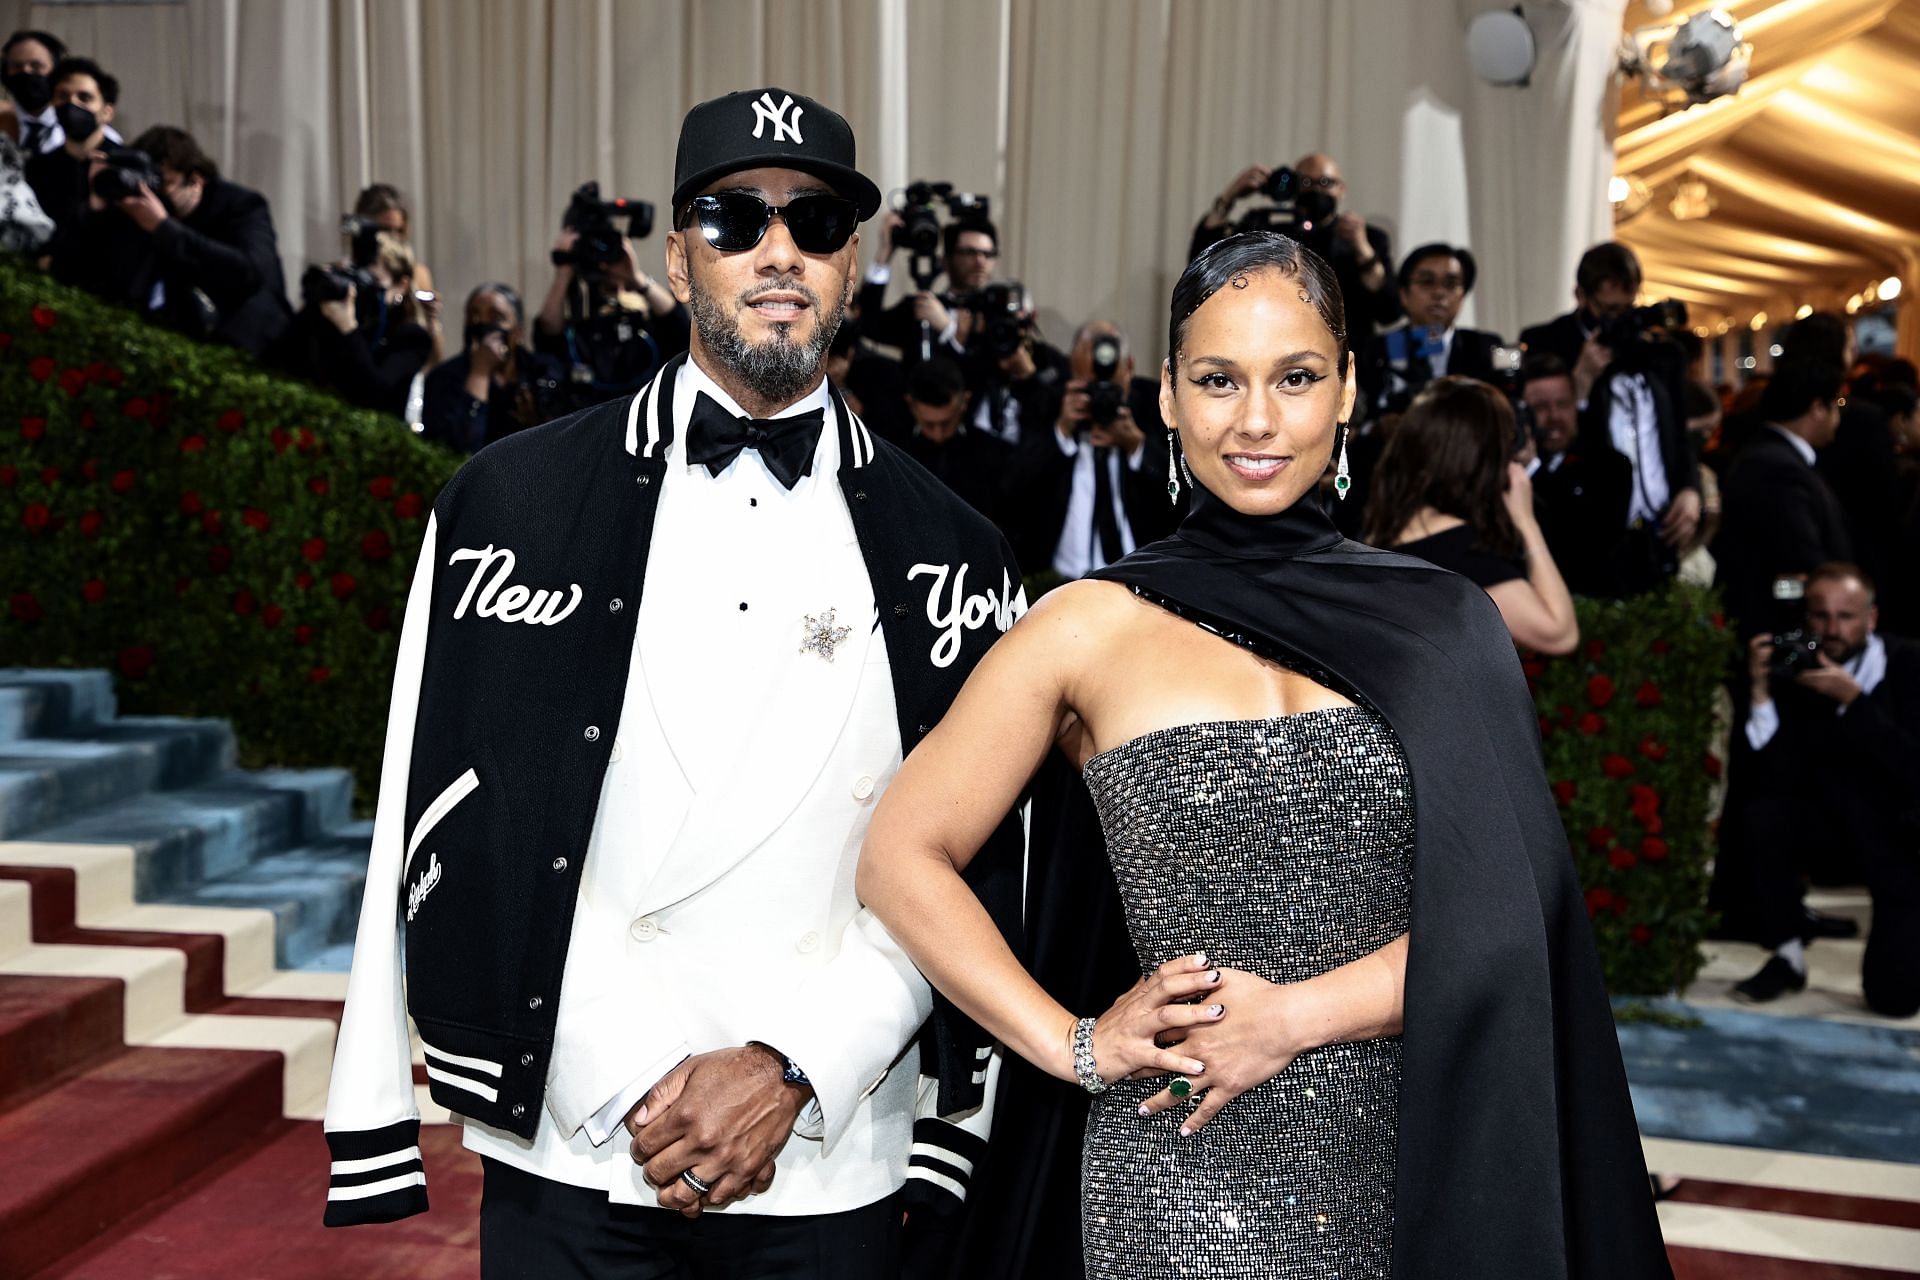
<point>1793,652</point>
<point>919,233</point>
<point>1004,318</point>
<point>598,242</point>
<point>125,172</point>
<point>330,282</point>
<point>1506,363</point>
<point>1297,211</point>
<point>1619,332</point>
<point>1105,396</point>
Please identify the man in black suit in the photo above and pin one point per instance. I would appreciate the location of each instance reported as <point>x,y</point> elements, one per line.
<point>1779,520</point>
<point>1831,764</point>
<point>1434,281</point>
<point>84,100</point>
<point>1085,493</point>
<point>971,464</point>
<point>1579,495</point>
<point>1629,386</point>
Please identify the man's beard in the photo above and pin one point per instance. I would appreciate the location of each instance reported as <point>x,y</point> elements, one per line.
<point>778,369</point>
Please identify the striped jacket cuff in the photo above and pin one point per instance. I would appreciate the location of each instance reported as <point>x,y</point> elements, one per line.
<point>940,1168</point>
<point>377,1175</point>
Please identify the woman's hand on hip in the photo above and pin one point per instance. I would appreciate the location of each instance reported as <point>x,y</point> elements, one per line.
<point>1129,1037</point>
<point>1251,1043</point>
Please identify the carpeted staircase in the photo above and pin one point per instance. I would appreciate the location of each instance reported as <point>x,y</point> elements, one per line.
<point>174,940</point>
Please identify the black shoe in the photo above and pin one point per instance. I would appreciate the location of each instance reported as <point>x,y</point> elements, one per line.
<point>1775,979</point>
<point>1817,925</point>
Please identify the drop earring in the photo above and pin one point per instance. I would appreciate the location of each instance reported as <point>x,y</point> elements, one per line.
<point>1342,478</point>
<point>1173,476</point>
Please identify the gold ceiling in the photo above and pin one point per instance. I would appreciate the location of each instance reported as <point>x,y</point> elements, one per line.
<point>1812,169</point>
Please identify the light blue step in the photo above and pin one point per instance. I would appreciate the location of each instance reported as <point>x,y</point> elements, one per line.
<point>47,780</point>
<point>314,893</point>
<point>182,839</point>
<point>20,711</point>
<point>61,702</point>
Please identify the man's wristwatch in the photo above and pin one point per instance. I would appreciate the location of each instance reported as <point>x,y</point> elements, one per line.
<point>790,1072</point>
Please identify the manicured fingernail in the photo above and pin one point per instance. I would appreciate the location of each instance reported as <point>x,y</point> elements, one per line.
<point>1214,976</point>
<point>1195,1067</point>
<point>1143,1109</point>
<point>1216,1010</point>
<point>1200,961</point>
<point>1185,1132</point>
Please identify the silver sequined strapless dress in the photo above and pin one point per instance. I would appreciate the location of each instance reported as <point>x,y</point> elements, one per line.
<point>1282,847</point>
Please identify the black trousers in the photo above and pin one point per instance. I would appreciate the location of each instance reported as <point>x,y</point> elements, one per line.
<point>537,1229</point>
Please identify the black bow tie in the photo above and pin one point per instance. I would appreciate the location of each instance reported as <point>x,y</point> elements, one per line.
<point>715,438</point>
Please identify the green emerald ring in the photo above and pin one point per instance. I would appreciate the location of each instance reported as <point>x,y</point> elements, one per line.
<point>1180,1086</point>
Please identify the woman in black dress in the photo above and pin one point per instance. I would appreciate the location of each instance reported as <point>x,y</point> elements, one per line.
<point>1447,491</point>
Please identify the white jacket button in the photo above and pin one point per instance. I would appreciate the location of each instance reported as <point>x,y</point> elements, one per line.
<point>645,929</point>
<point>862,787</point>
<point>593,733</point>
<point>809,943</point>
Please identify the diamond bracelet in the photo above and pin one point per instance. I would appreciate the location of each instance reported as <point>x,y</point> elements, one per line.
<point>1083,1065</point>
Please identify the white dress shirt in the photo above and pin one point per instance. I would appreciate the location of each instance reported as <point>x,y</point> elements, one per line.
<point>1634,427</point>
<point>1078,552</point>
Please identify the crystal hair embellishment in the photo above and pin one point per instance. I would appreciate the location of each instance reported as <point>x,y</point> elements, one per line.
<point>821,635</point>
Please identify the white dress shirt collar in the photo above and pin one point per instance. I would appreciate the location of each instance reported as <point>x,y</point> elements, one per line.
<point>1800,446</point>
<point>695,382</point>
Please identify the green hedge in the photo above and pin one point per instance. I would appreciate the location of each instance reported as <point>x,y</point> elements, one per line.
<point>229,543</point>
<point>1627,726</point>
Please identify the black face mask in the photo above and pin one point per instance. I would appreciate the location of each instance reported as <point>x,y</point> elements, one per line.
<point>76,121</point>
<point>30,90</point>
<point>1315,207</point>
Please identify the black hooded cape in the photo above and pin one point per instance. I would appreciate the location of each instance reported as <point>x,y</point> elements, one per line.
<point>1519,1157</point>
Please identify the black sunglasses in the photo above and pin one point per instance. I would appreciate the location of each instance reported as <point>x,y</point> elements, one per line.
<point>733,220</point>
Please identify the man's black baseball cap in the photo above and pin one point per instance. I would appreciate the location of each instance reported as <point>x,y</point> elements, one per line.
<point>771,129</point>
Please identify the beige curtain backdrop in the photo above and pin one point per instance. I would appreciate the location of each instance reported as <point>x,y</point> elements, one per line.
<point>1100,128</point>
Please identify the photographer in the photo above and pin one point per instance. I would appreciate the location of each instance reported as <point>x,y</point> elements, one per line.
<point>1089,491</point>
<point>1306,205</point>
<point>969,463</point>
<point>84,98</point>
<point>608,323</point>
<point>1580,496</point>
<point>1779,519</point>
<point>359,330</point>
<point>971,249</point>
<point>1829,771</point>
<point>1434,281</point>
<point>495,386</point>
<point>383,205</point>
<point>1627,381</point>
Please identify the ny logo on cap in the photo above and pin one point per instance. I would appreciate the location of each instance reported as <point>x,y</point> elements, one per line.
<point>784,128</point>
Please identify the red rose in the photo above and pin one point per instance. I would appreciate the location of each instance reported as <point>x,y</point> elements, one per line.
<point>90,523</point>
<point>44,317</point>
<point>93,591</point>
<point>1662,647</point>
<point>1648,694</point>
<point>1564,792</point>
<point>136,408</point>
<point>1719,620</point>
<point>1641,935</point>
<point>1565,713</point>
<point>272,614</point>
<point>210,522</point>
<point>280,440</point>
<point>194,444</point>
<point>1643,799</point>
<point>254,518</point>
<point>319,675</point>
<point>379,619</point>
<point>1600,837</point>
<point>1621,859</point>
<point>1653,849</point>
<point>8,477</point>
<point>409,506</point>
<point>1598,900</point>
<point>303,634</point>
<point>90,468</point>
<point>1596,650</point>
<point>136,660</point>
<point>317,485</point>
<point>380,487</point>
<point>231,421</point>
<point>122,482</point>
<point>303,580</point>
<point>219,558</point>
<point>1652,749</point>
<point>307,442</point>
<point>41,369</point>
<point>1534,668</point>
<point>376,545</point>
<point>314,550</point>
<point>1600,690</point>
<point>26,607</point>
<point>32,428</point>
<point>1617,766</point>
<point>343,585</point>
<point>1592,722</point>
<point>72,381</point>
<point>114,377</point>
<point>190,504</point>
<point>49,476</point>
<point>1546,726</point>
<point>87,420</point>
<point>244,602</point>
<point>36,517</point>
<point>1712,765</point>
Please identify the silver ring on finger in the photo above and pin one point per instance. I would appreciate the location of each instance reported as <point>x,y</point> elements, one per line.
<point>692,1179</point>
